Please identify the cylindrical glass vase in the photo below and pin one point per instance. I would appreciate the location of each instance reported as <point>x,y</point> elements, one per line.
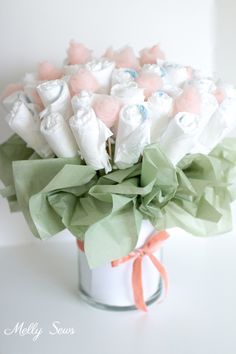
<point>110,287</point>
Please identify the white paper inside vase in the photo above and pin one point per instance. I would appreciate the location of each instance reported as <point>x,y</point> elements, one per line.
<point>113,285</point>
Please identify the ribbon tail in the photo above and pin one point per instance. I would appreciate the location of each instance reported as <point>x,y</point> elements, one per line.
<point>162,271</point>
<point>80,244</point>
<point>122,260</point>
<point>137,284</point>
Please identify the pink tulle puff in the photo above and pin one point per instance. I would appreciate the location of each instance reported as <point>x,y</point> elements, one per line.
<point>9,89</point>
<point>189,72</point>
<point>82,80</point>
<point>219,95</point>
<point>47,71</point>
<point>109,53</point>
<point>150,55</point>
<point>36,99</point>
<point>188,101</point>
<point>78,53</point>
<point>124,58</point>
<point>107,108</point>
<point>150,82</point>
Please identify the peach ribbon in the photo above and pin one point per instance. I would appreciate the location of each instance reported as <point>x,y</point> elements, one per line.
<point>152,245</point>
<point>80,244</point>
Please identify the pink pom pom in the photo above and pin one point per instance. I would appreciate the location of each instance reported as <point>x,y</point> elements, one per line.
<point>109,54</point>
<point>189,72</point>
<point>188,101</point>
<point>107,108</point>
<point>150,82</point>
<point>37,100</point>
<point>150,55</point>
<point>78,53</point>
<point>11,88</point>
<point>47,71</point>
<point>124,58</point>
<point>82,80</point>
<point>219,95</point>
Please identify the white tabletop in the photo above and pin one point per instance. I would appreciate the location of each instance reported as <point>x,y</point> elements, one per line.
<point>39,284</point>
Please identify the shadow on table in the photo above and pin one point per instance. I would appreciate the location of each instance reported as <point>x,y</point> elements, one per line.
<point>54,265</point>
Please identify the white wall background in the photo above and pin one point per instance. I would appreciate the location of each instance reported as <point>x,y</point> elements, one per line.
<point>224,33</point>
<point>196,32</point>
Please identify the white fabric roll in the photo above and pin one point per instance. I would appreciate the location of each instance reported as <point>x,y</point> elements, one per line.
<point>128,93</point>
<point>208,102</point>
<point>9,101</point>
<point>102,70</point>
<point>123,75</point>
<point>57,133</point>
<point>219,125</point>
<point>91,135</point>
<point>55,96</point>
<point>180,136</point>
<point>155,69</point>
<point>175,74</point>
<point>25,121</point>
<point>30,82</point>
<point>132,136</point>
<point>83,99</point>
<point>208,107</point>
<point>49,91</point>
<point>204,85</point>
<point>160,106</point>
<point>172,91</point>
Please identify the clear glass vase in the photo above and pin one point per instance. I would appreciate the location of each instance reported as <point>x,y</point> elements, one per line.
<point>111,288</point>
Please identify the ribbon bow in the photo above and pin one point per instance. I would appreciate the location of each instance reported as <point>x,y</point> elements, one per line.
<point>152,245</point>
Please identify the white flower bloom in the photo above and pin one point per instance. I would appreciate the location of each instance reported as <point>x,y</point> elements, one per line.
<point>91,135</point>
<point>128,93</point>
<point>132,136</point>
<point>180,136</point>
<point>24,120</point>
<point>56,97</point>
<point>57,133</point>
<point>102,70</point>
<point>161,107</point>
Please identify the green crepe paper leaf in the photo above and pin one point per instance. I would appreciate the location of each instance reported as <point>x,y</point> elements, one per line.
<point>12,150</point>
<point>8,192</point>
<point>115,235</point>
<point>226,152</point>
<point>51,215</point>
<point>106,212</point>
<point>71,176</point>
<point>31,177</point>
<point>64,204</point>
<point>121,175</point>
<point>128,187</point>
<point>203,208</point>
<point>189,197</point>
<point>61,195</point>
<point>200,200</point>
<point>13,204</point>
<point>174,215</point>
<point>88,211</point>
<point>45,220</point>
<point>159,173</point>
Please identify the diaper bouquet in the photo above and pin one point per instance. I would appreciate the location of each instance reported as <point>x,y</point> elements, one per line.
<point>101,145</point>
